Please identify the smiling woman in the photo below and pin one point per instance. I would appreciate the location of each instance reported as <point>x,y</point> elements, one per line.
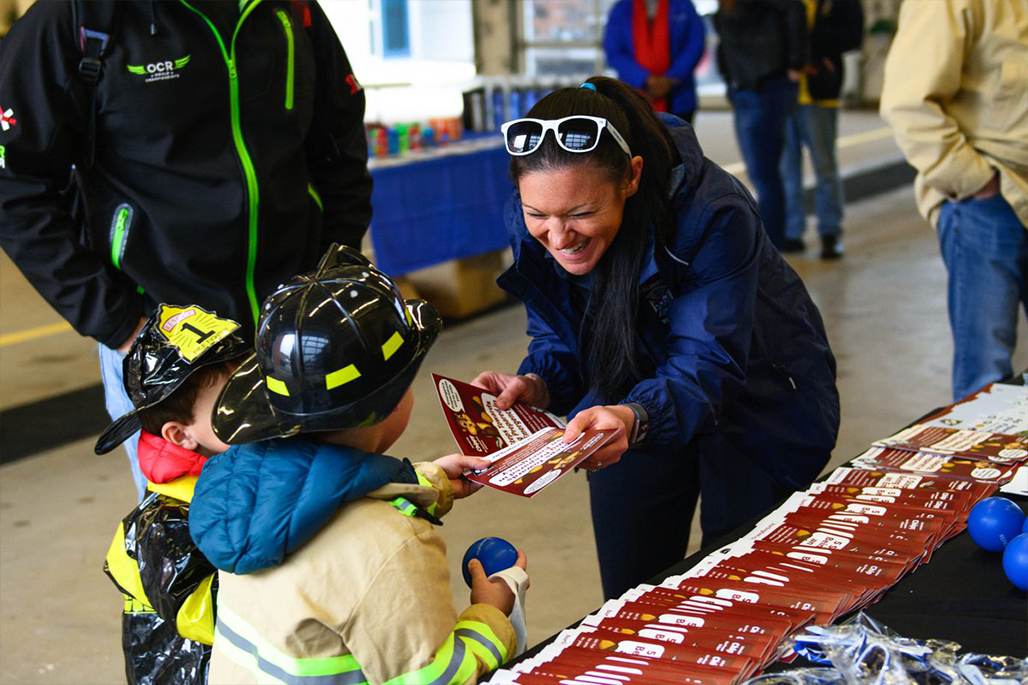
<point>658,307</point>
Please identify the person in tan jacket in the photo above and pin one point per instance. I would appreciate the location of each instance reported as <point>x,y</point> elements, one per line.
<point>330,568</point>
<point>956,96</point>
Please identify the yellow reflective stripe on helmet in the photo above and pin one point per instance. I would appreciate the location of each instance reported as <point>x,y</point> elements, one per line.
<point>453,663</point>
<point>125,570</point>
<point>195,618</point>
<point>403,506</point>
<point>390,346</point>
<point>276,386</point>
<point>342,377</point>
<point>483,642</point>
<point>244,645</point>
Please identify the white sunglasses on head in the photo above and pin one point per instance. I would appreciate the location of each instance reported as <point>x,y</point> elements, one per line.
<point>578,133</point>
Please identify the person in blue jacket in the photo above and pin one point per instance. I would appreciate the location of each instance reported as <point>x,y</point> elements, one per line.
<point>654,46</point>
<point>657,306</point>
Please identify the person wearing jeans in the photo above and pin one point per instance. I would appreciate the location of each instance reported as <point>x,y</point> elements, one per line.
<point>117,401</point>
<point>760,116</point>
<point>763,48</point>
<point>812,126</point>
<point>955,83</point>
<point>836,26</point>
<point>985,247</point>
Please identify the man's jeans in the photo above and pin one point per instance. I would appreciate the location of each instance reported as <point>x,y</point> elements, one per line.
<point>814,128</point>
<point>760,130</point>
<point>985,248</point>
<point>118,403</point>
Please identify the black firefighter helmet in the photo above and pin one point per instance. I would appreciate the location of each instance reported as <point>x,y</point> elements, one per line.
<point>336,348</point>
<point>175,343</point>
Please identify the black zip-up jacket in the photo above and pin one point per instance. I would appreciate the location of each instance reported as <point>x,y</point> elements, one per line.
<point>223,164</point>
<point>759,39</point>
<point>838,28</point>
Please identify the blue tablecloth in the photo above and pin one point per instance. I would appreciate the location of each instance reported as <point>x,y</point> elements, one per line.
<point>431,210</point>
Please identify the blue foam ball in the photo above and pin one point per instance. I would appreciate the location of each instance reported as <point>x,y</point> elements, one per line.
<point>1015,561</point>
<point>1024,528</point>
<point>994,522</point>
<point>495,554</point>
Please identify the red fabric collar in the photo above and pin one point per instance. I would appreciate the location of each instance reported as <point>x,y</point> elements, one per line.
<point>162,461</point>
<point>652,41</point>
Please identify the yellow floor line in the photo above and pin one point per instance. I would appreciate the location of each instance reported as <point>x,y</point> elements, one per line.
<point>865,137</point>
<point>739,168</point>
<point>8,339</point>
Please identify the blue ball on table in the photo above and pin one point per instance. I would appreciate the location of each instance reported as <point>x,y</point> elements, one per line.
<point>1024,528</point>
<point>495,554</point>
<point>1015,561</point>
<point>994,522</point>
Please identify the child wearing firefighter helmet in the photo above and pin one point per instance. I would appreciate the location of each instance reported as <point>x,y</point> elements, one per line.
<point>173,373</point>
<point>360,593</point>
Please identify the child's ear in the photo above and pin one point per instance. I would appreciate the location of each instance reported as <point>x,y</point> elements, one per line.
<point>177,433</point>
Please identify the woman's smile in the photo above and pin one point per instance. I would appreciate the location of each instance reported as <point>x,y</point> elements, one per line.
<point>569,251</point>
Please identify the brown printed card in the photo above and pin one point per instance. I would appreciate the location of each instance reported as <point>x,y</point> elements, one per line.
<point>705,601</point>
<point>824,605</point>
<point>996,447</point>
<point>720,637</point>
<point>478,426</point>
<point>729,621</point>
<point>996,408</point>
<point>896,460</point>
<point>528,466</point>
<point>635,645</point>
<point>968,493</point>
<point>575,661</point>
<point>857,577</point>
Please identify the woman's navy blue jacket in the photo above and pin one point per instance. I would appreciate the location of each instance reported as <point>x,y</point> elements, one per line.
<point>738,347</point>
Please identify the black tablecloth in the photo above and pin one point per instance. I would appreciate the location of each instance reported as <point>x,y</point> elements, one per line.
<point>961,595</point>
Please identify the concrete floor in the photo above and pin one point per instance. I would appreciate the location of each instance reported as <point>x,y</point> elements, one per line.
<point>884,307</point>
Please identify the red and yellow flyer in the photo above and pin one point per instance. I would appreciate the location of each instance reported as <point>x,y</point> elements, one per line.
<point>948,466</point>
<point>478,426</point>
<point>995,447</point>
<point>528,466</point>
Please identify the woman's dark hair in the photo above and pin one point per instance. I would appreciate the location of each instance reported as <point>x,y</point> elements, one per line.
<point>611,345</point>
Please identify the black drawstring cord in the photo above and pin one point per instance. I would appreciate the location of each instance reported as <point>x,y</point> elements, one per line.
<point>153,17</point>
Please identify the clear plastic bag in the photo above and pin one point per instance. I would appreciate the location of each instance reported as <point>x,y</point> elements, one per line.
<point>801,676</point>
<point>863,650</point>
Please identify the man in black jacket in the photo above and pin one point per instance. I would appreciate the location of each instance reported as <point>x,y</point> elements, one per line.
<point>836,26</point>
<point>219,148</point>
<point>763,45</point>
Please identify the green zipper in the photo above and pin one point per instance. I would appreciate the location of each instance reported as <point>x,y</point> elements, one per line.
<point>119,233</point>
<point>287,26</point>
<point>253,198</point>
<point>312,191</point>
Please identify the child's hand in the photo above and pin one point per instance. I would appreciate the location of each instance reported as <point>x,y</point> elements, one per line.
<point>493,592</point>
<point>454,466</point>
